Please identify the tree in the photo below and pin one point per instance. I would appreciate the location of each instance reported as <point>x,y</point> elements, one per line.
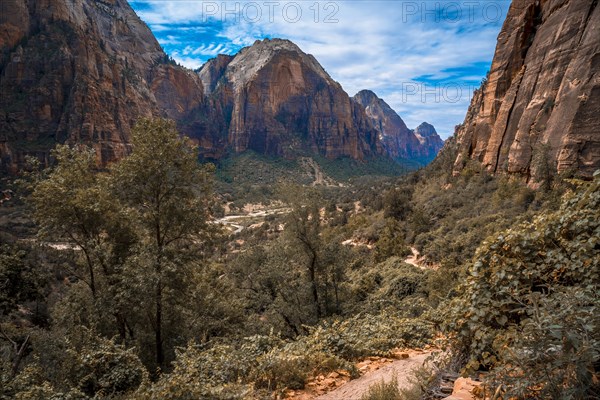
<point>23,286</point>
<point>167,194</point>
<point>396,203</point>
<point>73,205</point>
<point>322,258</point>
<point>303,228</point>
<point>68,207</point>
<point>391,241</point>
<point>541,166</point>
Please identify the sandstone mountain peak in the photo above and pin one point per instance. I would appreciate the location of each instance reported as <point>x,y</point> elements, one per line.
<point>375,105</point>
<point>425,130</point>
<point>212,70</point>
<point>246,64</point>
<point>275,99</point>
<point>367,95</point>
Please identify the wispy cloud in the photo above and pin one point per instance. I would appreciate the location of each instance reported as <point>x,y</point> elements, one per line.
<point>411,53</point>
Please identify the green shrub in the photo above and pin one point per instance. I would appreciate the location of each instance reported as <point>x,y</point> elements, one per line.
<point>107,369</point>
<point>551,354</point>
<point>389,285</point>
<point>87,367</point>
<point>383,391</point>
<point>219,372</point>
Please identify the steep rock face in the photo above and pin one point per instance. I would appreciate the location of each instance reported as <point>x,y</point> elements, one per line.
<point>212,71</point>
<point>430,143</point>
<point>277,100</point>
<point>83,71</point>
<point>542,97</point>
<point>397,140</point>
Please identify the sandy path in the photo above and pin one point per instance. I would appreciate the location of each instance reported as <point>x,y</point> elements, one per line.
<point>413,259</point>
<point>402,369</point>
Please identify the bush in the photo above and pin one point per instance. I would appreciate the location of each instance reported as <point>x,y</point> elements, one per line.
<point>530,301</point>
<point>383,391</point>
<point>78,366</point>
<point>389,285</point>
<point>552,353</point>
<point>106,369</point>
<point>219,372</point>
<point>228,371</point>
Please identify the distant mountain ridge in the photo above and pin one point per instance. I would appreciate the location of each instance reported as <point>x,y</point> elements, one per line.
<point>84,71</point>
<point>399,142</point>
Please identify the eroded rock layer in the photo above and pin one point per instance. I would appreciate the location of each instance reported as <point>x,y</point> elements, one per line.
<point>540,105</point>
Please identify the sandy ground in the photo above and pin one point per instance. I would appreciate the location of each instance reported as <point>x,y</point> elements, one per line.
<point>402,369</point>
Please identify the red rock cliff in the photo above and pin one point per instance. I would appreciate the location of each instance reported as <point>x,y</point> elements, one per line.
<point>278,100</point>
<point>82,71</point>
<point>542,94</point>
<point>399,142</point>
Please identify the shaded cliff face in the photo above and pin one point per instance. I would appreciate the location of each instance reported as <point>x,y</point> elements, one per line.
<point>278,100</point>
<point>397,140</point>
<point>83,71</point>
<point>542,97</point>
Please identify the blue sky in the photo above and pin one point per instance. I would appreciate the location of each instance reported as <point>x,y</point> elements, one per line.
<point>424,58</point>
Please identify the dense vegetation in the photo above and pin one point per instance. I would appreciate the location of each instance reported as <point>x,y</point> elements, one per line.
<point>128,289</point>
<point>530,308</point>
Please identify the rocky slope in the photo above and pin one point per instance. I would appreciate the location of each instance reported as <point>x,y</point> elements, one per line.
<point>83,71</point>
<point>397,140</point>
<point>539,106</point>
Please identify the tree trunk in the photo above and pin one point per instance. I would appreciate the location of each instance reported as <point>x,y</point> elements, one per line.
<point>91,271</point>
<point>313,282</point>
<point>18,357</point>
<point>337,298</point>
<point>160,358</point>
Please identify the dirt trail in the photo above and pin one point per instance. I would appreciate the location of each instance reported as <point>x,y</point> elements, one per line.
<point>401,369</point>
<point>236,221</point>
<point>419,261</point>
<point>413,259</point>
<point>320,179</point>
